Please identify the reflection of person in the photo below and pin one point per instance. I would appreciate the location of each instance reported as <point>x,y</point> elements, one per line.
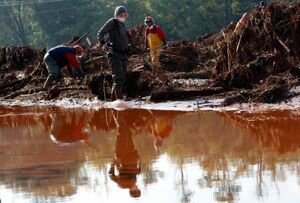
<point>160,125</point>
<point>127,161</point>
<point>161,129</point>
<point>69,128</point>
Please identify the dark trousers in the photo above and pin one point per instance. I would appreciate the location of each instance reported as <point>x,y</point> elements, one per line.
<point>118,63</point>
<point>52,67</point>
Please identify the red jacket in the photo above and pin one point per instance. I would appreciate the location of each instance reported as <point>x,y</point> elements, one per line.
<point>155,29</point>
<point>72,61</point>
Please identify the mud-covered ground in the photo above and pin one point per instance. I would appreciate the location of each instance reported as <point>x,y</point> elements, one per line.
<point>258,63</point>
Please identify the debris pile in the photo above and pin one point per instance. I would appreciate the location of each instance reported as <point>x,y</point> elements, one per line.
<point>258,62</point>
<point>262,58</point>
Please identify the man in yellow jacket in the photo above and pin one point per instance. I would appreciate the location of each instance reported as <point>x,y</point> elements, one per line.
<point>155,40</point>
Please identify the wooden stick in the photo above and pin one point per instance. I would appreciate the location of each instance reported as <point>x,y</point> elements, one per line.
<point>238,46</point>
<point>83,36</point>
<point>228,53</point>
<point>183,94</point>
<point>282,43</point>
<point>94,59</point>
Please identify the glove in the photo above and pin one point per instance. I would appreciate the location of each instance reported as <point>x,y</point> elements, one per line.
<point>76,73</point>
<point>165,44</point>
<point>100,45</point>
<point>72,72</point>
<point>81,72</point>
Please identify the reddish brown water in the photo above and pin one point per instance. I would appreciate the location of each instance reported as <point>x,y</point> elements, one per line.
<point>56,155</point>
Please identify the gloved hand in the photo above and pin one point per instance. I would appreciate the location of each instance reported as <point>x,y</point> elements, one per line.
<point>81,72</point>
<point>72,72</point>
<point>100,45</point>
<point>165,44</point>
<point>76,73</point>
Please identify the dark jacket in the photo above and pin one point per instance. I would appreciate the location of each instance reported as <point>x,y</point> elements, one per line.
<point>61,54</point>
<point>117,35</point>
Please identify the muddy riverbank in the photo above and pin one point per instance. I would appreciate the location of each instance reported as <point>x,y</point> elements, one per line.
<point>259,63</point>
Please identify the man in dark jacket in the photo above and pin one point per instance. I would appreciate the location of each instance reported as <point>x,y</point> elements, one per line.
<point>117,48</point>
<point>60,56</point>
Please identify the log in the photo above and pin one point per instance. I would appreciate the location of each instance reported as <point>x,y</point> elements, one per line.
<point>22,92</point>
<point>42,89</point>
<point>184,94</point>
<point>14,83</point>
<point>99,58</point>
<point>19,84</point>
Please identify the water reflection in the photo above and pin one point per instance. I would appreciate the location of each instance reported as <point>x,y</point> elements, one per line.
<point>277,131</point>
<point>70,127</point>
<point>80,155</point>
<point>277,135</point>
<point>127,162</point>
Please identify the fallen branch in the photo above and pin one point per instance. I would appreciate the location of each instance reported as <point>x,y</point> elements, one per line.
<point>41,89</point>
<point>282,43</point>
<point>184,94</point>
<point>238,45</point>
<point>19,84</point>
<point>16,82</point>
<point>94,59</point>
<point>228,51</point>
<point>23,92</point>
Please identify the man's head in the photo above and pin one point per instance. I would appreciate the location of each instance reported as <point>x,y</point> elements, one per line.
<point>76,40</point>
<point>148,21</point>
<point>121,13</point>
<point>79,49</point>
<point>134,191</point>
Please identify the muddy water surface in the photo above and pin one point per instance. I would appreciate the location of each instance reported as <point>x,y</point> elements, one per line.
<point>58,155</point>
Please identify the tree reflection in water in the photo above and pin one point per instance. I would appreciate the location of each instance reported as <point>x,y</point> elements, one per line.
<point>53,147</point>
<point>275,133</point>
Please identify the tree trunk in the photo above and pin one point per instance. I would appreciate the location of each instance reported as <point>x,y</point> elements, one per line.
<point>17,24</point>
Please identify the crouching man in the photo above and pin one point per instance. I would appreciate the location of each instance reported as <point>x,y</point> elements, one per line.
<point>60,56</point>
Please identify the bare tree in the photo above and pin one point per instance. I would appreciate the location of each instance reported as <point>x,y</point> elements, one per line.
<point>15,21</point>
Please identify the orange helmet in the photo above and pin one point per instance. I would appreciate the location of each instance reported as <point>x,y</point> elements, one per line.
<point>163,129</point>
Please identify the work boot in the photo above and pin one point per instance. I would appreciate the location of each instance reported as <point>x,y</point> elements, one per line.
<point>113,95</point>
<point>119,93</point>
<point>116,93</point>
<point>48,82</point>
